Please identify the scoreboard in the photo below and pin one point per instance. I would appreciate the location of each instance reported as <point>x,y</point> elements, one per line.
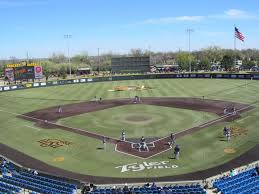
<point>24,72</point>
<point>130,64</point>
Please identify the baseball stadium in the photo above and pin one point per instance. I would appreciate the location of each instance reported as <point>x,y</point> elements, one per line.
<point>103,112</point>
<point>60,130</point>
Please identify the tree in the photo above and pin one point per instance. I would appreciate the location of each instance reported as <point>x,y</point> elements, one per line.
<point>63,71</point>
<point>81,59</point>
<point>58,58</point>
<point>183,59</point>
<point>204,64</point>
<point>49,68</point>
<point>136,52</point>
<point>227,62</point>
<point>248,64</point>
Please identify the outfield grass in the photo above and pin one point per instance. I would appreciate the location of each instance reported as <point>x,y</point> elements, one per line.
<point>201,150</point>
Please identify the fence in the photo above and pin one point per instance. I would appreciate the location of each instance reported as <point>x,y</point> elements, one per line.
<point>129,77</point>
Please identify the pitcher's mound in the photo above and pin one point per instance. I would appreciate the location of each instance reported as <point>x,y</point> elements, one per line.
<point>134,118</point>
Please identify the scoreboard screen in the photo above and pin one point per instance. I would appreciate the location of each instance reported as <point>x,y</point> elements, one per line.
<point>24,73</point>
<point>130,64</point>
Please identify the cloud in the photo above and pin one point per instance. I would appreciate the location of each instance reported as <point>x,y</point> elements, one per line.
<point>28,3</point>
<point>234,14</point>
<point>228,14</point>
<point>169,20</point>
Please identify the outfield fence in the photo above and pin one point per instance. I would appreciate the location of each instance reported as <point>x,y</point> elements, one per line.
<point>250,76</point>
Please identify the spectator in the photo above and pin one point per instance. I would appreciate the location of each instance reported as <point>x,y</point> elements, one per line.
<point>125,188</point>
<point>153,185</point>
<point>114,189</point>
<point>92,187</point>
<point>147,185</point>
<point>35,172</point>
<point>256,173</point>
<point>85,188</point>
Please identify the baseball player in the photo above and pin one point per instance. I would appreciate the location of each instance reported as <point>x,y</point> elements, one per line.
<point>225,131</point>
<point>177,152</point>
<point>172,142</point>
<point>225,110</point>
<point>60,110</point>
<point>123,135</point>
<point>234,111</point>
<point>142,139</point>
<point>138,99</point>
<point>104,143</point>
<point>135,100</point>
<point>143,144</point>
<point>228,135</point>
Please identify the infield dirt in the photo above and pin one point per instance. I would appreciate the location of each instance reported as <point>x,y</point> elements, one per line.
<point>46,118</point>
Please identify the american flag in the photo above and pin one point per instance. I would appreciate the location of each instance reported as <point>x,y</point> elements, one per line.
<point>239,35</point>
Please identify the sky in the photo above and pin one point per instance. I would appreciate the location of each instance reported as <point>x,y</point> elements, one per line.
<point>37,27</point>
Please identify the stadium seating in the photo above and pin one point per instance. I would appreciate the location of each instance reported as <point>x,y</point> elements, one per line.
<point>14,182</point>
<point>6,188</point>
<point>187,189</point>
<point>245,182</point>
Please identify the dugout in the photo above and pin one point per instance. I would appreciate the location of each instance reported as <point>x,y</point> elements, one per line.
<point>83,71</point>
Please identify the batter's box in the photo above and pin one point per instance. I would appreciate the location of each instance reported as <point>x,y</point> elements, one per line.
<point>140,148</point>
<point>137,145</point>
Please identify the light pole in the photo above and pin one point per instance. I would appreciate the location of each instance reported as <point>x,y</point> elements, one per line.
<point>189,31</point>
<point>68,37</point>
<point>98,53</point>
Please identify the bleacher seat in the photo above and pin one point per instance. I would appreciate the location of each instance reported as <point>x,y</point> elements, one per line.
<point>36,183</point>
<point>245,182</point>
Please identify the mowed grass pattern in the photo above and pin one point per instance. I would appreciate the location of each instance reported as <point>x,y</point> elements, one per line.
<point>201,150</point>
<point>161,121</point>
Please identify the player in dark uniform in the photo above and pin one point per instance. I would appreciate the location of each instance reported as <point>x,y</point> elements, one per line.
<point>104,143</point>
<point>135,100</point>
<point>142,139</point>
<point>225,131</point>
<point>177,152</point>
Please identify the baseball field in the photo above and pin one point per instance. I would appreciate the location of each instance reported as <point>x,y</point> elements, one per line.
<point>35,135</point>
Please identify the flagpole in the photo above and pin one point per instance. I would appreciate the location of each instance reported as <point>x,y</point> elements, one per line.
<point>234,45</point>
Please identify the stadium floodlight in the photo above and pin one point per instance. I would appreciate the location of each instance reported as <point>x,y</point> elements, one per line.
<point>68,37</point>
<point>189,31</point>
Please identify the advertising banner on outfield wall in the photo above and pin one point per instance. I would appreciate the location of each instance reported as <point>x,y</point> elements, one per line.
<point>38,72</point>
<point>9,73</point>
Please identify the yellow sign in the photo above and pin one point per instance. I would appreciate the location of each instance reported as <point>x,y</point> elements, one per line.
<point>13,65</point>
<point>33,64</point>
<point>28,85</point>
<point>22,64</point>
